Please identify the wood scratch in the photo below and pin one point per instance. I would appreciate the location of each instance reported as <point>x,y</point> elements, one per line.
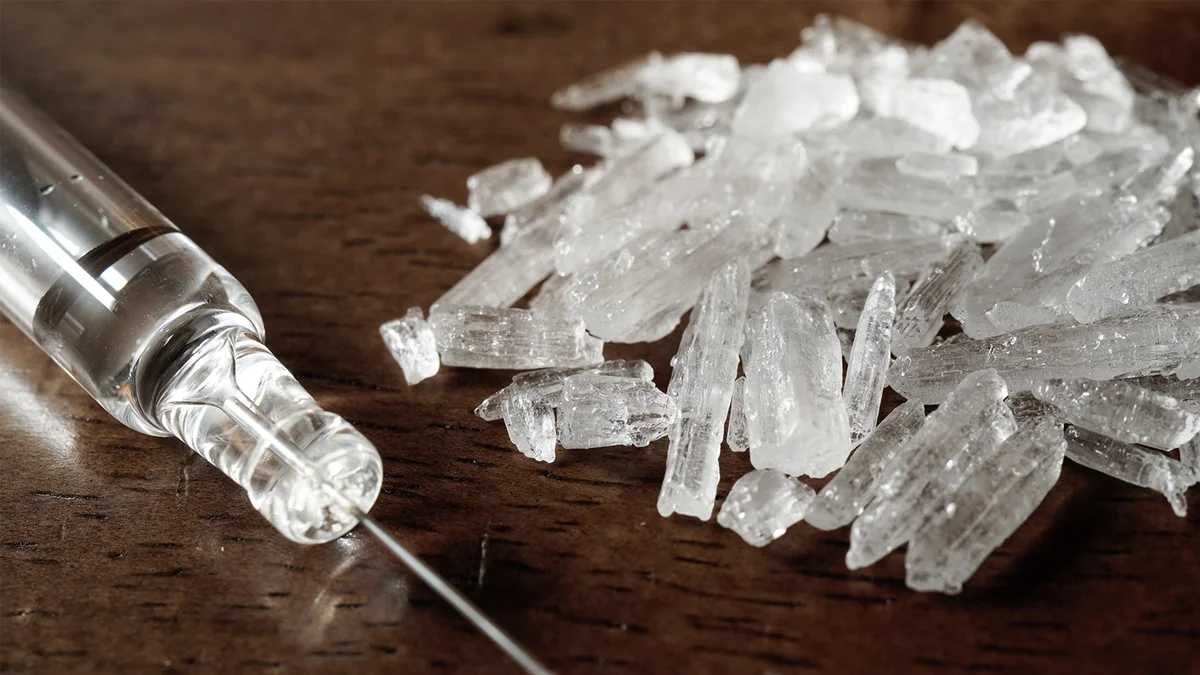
<point>182,478</point>
<point>483,543</point>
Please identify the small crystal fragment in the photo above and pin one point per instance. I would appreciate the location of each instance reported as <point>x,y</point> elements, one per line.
<point>920,317</point>
<point>410,341</point>
<point>623,137</point>
<point>869,358</point>
<point>463,222</point>
<point>529,420</point>
<point>709,78</point>
<point>853,226</point>
<point>1097,85</point>
<point>972,422</point>
<point>992,223</point>
<point>599,411</point>
<point>795,414</point>
<point>843,498</point>
<point>564,186</point>
<point>1131,464</point>
<point>1122,411</point>
<point>986,509</point>
<point>736,435</point>
<point>941,107</point>
<point>701,385</point>
<point>785,101</point>
<point>941,167</point>
<point>507,186</point>
<point>1137,279</point>
<point>546,384</point>
<point>763,504</point>
<point>606,86</point>
<point>1145,341</point>
<point>551,297</point>
<point>473,336</point>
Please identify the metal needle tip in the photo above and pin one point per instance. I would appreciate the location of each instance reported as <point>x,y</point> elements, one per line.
<point>451,595</point>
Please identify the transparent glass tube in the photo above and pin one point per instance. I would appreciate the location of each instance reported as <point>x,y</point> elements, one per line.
<point>164,338</point>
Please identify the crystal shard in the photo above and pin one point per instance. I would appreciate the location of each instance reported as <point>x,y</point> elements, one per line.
<point>546,384</point>
<point>1142,342</point>
<point>795,414</point>
<point>853,226</point>
<point>551,296</point>
<point>472,336</point>
<point>1131,464</point>
<point>1137,279</point>
<point>566,185</point>
<point>736,435</point>
<point>881,187</point>
<point>1095,83</point>
<point>920,317</point>
<point>993,223</point>
<point>843,498</point>
<point>410,341</point>
<point>986,509</point>
<point>507,186</point>
<point>599,411</point>
<point>1122,411</point>
<point>973,408</point>
<point>941,167</point>
<point>941,107</point>
<point>869,358</point>
<point>763,504</point>
<point>701,385</point>
<point>784,101</point>
<point>709,78</point>
<point>463,222</point>
<point>606,86</point>
<point>530,424</point>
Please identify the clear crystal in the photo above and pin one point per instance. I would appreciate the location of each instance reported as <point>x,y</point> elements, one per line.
<point>599,411</point>
<point>1145,341</point>
<point>1121,410</point>
<point>473,336</point>
<point>1025,406</point>
<point>1131,464</point>
<point>606,86</point>
<point>993,223</point>
<point>941,107</point>
<point>564,186</point>
<point>709,78</point>
<point>869,358</point>
<point>1095,83</point>
<point>881,187</point>
<point>507,186</point>
<point>702,377</point>
<point>529,420</point>
<point>854,226</point>
<point>1137,279</point>
<point>943,167</point>
<point>967,423</point>
<point>736,435</point>
<point>763,504</point>
<point>785,100</point>
<point>843,498</point>
<point>551,296</point>
<point>410,341</point>
<point>986,509</point>
<point>795,414</point>
<point>875,137</point>
<point>920,317</point>
<point>463,222</point>
<point>546,384</point>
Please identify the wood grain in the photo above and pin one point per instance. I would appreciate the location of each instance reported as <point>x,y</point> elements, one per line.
<point>291,141</point>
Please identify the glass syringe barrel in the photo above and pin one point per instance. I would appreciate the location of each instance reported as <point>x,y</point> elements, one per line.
<point>157,332</point>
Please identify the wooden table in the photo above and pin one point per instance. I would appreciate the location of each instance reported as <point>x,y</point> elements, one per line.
<point>291,141</point>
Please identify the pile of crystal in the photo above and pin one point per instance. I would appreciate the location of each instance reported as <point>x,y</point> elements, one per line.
<point>1009,242</point>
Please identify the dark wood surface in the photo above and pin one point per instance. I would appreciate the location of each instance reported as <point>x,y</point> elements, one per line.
<point>291,141</point>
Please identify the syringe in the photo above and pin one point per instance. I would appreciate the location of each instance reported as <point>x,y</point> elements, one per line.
<point>169,343</point>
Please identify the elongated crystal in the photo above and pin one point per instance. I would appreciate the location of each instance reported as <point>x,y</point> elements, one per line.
<point>702,387</point>
<point>920,317</point>
<point>551,296</point>
<point>784,101</point>
<point>795,414</point>
<point>606,86</point>
<point>546,384</point>
<point>599,411</point>
<point>1122,411</point>
<point>507,186</point>
<point>873,137</point>
<point>736,435</point>
<point>1131,464</point>
<point>1183,390</point>
<point>883,188</point>
<point>854,226</point>
<point>763,504</point>
<point>709,78</point>
<point>564,186</point>
<point>986,509</point>
<point>973,408</point>
<point>1137,279</point>
<point>410,341</point>
<point>870,356</point>
<point>943,167</point>
<point>463,222</point>
<point>472,336</point>
<point>941,107</point>
<point>529,420</point>
<point>843,498</point>
<point>992,223</point>
<point>1145,341</point>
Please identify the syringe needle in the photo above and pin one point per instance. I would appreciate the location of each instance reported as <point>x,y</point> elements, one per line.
<point>456,599</point>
